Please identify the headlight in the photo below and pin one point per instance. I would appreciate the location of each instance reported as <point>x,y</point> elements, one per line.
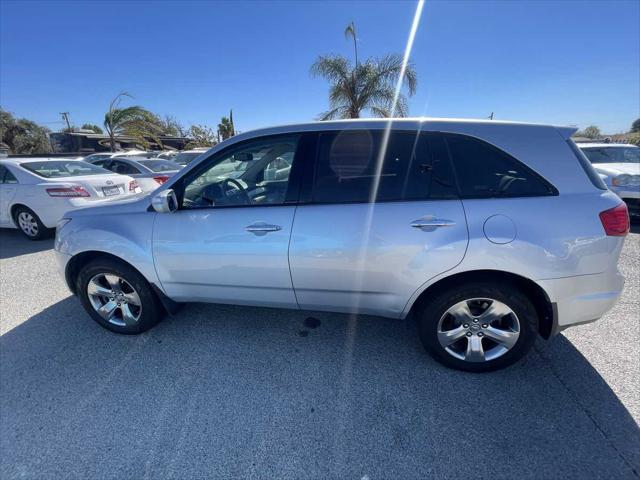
<point>621,180</point>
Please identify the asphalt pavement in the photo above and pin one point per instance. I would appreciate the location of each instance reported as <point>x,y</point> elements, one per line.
<point>237,392</point>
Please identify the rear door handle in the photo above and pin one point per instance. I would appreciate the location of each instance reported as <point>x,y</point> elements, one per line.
<point>432,223</point>
<point>261,228</point>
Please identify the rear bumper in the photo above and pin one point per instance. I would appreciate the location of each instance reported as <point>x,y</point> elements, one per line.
<point>583,298</point>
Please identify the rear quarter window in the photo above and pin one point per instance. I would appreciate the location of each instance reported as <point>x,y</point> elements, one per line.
<point>485,171</point>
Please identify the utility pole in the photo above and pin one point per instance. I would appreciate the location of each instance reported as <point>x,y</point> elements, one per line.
<point>65,115</point>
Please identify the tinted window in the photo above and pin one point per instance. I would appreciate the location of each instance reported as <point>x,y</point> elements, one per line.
<point>486,171</point>
<point>63,168</point>
<point>123,168</point>
<point>6,176</point>
<point>347,169</point>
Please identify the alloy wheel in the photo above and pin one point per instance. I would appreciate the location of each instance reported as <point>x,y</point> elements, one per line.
<point>114,299</point>
<point>478,330</point>
<point>28,224</point>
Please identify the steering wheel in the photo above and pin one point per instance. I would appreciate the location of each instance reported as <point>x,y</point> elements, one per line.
<point>238,186</point>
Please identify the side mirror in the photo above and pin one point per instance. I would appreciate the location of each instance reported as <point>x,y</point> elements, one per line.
<point>165,201</point>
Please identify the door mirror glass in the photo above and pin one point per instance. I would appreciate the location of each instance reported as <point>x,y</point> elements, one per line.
<point>165,201</point>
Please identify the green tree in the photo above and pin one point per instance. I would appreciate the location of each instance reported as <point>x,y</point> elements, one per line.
<point>226,128</point>
<point>91,126</point>
<point>134,121</point>
<point>22,135</point>
<point>172,127</point>
<point>635,126</point>
<point>590,132</point>
<point>201,136</point>
<point>369,85</point>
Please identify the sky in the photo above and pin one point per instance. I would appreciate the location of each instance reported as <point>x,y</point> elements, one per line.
<point>561,62</point>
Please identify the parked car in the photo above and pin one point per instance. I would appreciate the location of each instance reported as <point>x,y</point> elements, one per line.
<point>187,156</point>
<point>619,166</point>
<point>36,192</point>
<point>149,173</point>
<point>488,233</point>
<point>124,153</point>
<point>168,155</point>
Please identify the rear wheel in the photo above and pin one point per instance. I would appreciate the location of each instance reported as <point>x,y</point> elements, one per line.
<point>30,224</point>
<point>118,297</point>
<point>478,327</point>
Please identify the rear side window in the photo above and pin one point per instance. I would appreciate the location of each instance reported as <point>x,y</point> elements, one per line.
<point>348,170</point>
<point>123,168</point>
<point>587,167</point>
<point>485,171</point>
<point>6,176</point>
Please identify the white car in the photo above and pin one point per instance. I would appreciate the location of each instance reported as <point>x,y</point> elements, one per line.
<point>36,192</point>
<point>126,153</point>
<point>187,156</point>
<point>150,173</point>
<point>619,167</point>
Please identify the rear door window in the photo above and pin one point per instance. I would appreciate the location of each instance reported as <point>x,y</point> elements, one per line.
<point>486,171</point>
<point>355,166</point>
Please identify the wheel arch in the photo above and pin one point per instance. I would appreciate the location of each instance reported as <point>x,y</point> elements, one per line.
<point>547,315</point>
<point>14,208</point>
<point>79,260</point>
<point>76,262</point>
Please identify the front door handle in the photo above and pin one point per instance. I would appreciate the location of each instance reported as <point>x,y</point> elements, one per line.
<point>432,223</point>
<point>261,228</point>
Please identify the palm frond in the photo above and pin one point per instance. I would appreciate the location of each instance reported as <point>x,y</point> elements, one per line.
<point>334,68</point>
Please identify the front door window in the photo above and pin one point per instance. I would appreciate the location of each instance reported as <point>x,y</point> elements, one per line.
<point>254,174</point>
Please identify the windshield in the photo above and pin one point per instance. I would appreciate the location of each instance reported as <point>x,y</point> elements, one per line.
<point>63,168</point>
<point>186,157</point>
<point>613,154</point>
<point>159,165</point>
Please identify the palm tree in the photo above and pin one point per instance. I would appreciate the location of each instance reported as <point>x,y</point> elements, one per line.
<point>364,86</point>
<point>133,121</point>
<point>226,128</point>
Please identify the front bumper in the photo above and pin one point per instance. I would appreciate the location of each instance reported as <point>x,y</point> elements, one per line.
<point>62,259</point>
<point>584,298</point>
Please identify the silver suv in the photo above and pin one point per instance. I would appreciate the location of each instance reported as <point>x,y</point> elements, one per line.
<point>486,233</point>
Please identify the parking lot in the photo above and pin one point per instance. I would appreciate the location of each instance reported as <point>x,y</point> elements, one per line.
<point>236,392</point>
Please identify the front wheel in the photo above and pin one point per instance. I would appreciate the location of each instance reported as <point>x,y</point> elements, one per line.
<point>478,327</point>
<point>118,297</point>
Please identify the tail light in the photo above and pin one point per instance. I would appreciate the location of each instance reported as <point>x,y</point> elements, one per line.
<point>133,186</point>
<point>161,178</point>
<point>76,191</point>
<point>616,221</point>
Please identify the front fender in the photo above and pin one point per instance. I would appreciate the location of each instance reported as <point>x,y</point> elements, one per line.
<point>127,237</point>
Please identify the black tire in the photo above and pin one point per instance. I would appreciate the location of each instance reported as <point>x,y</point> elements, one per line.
<point>41,231</point>
<point>151,309</point>
<point>434,309</point>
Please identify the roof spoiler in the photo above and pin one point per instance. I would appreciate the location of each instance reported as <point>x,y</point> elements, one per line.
<point>566,132</point>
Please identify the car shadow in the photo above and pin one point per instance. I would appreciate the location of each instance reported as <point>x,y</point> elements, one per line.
<point>635,226</point>
<point>13,244</point>
<point>224,391</point>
